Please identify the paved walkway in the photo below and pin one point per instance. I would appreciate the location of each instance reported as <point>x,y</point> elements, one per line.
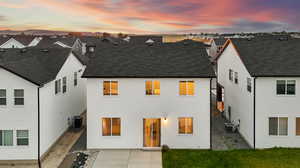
<point>128,159</point>
<point>221,139</point>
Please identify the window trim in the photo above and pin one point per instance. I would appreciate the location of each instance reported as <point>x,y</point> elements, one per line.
<point>75,78</point>
<point>4,97</point>
<point>111,124</point>
<point>15,97</point>
<point>187,88</point>
<point>2,131</point>
<point>296,126</point>
<point>17,138</point>
<point>110,87</point>
<point>152,88</point>
<point>64,84</point>
<point>185,133</point>
<point>286,84</point>
<point>249,84</point>
<point>236,77</point>
<point>230,75</point>
<point>278,128</point>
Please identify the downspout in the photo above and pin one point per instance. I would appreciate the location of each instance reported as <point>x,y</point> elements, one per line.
<point>39,143</point>
<point>254,112</point>
<point>210,106</point>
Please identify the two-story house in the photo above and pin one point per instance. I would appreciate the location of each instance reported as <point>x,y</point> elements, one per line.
<point>260,79</point>
<point>40,93</point>
<point>146,96</point>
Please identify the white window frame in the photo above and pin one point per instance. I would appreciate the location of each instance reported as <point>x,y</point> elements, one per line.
<point>111,126</point>
<point>185,123</point>
<point>286,83</point>
<point>64,84</point>
<point>4,97</point>
<point>278,126</point>
<point>16,97</point>
<point>75,79</point>
<point>186,86</point>
<point>110,91</point>
<point>2,145</point>
<point>22,137</point>
<point>249,85</point>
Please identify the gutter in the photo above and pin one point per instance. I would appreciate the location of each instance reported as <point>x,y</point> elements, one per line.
<point>210,113</point>
<point>254,112</point>
<point>39,139</point>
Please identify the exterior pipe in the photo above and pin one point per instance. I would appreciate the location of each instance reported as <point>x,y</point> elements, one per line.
<point>210,106</point>
<point>254,112</point>
<point>39,143</point>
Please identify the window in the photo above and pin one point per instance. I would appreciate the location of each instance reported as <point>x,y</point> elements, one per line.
<point>111,126</point>
<point>185,125</point>
<point>186,88</point>
<point>57,86</point>
<point>22,137</point>
<point>236,78</point>
<point>278,126</point>
<point>75,78</point>
<point>152,88</point>
<point>2,97</point>
<point>19,96</point>
<point>249,84</point>
<point>286,87</point>
<point>64,85</point>
<point>298,126</point>
<point>230,75</point>
<point>6,138</point>
<point>110,88</point>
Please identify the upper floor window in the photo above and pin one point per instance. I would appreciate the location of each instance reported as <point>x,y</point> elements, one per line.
<point>64,85</point>
<point>111,126</point>
<point>230,74</point>
<point>57,86</point>
<point>278,126</point>
<point>186,88</point>
<point>249,84</point>
<point>236,78</point>
<point>75,78</point>
<point>110,88</point>
<point>6,137</point>
<point>152,88</point>
<point>185,125</point>
<point>19,96</point>
<point>22,137</point>
<point>286,87</point>
<point>2,97</point>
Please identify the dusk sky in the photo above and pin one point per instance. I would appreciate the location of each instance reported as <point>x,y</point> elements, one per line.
<point>151,16</point>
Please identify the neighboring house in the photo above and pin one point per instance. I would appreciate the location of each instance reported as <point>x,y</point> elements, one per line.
<point>40,93</point>
<point>216,47</point>
<point>145,96</point>
<point>19,41</point>
<point>260,80</point>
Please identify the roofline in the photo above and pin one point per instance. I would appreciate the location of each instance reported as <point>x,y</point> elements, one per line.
<point>20,75</point>
<point>208,76</point>
<point>223,48</point>
<point>276,76</point>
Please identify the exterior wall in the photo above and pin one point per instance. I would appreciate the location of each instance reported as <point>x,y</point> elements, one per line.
<point>213,50</point>
<point>35,41</point>
<point>132,106</point>
<point>268,104</point>
<point>236,95</point>
<point>19,117</point>
<point>12,43</point>
<point>57,111</point>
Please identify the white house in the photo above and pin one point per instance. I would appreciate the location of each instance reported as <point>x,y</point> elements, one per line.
<point>260,80</point>
<point>19,41</point>
<point>146,96</point>
<point>40,92</point>
<point>216,47</point>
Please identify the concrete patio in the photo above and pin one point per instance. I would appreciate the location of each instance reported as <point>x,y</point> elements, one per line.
<point>128,159</point>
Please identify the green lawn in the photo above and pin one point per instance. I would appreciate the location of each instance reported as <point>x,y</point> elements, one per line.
<point>271,158</point>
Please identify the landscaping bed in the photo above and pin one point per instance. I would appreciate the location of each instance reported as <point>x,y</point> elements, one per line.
<point>269,158</point>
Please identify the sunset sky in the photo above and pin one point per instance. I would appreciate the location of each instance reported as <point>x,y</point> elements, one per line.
<point>151,16</point>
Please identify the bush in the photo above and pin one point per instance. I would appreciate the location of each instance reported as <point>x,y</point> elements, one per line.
<point>165,148</point>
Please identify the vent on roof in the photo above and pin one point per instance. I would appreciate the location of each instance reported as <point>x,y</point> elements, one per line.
<point>127,39</point>
<point>249,39</point>
<point>44,50</point>
<point>2,50</point>
<point>283,38</point>
<point>53,37</point>
<point>4,36</point>
<point>115,43</point>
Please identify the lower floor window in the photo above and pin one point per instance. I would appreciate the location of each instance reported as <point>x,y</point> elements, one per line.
<point>111,126</point>
<point>278,126</point>
<point>6,137</point>
<point>185,125</point>
<point>298,126</point>
<point>22,137</point>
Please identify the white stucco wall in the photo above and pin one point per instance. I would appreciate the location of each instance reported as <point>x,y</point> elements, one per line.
<point>57,109</point>
<point>236,95</point>
<point>132,105</point>
<point>19,117</point>
<point>268,104</point>
<point>12,43</point>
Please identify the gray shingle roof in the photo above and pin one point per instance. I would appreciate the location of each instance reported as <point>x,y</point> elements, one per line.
<point>270,57</point>
<point>184,59</point>
<point>34,65</point>
<point>220,41</point>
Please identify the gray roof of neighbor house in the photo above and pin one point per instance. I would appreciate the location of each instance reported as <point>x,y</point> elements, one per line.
<point>141,39</point>
<point>270,57</point>
<point>49,41</point>
<point>220,41</point>
<point>166,60</point>
<point>3,39</point>
<point>24,39</point>
<point>35,65</point>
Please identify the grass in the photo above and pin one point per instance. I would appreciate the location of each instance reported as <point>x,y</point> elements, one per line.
<point>269,158</point>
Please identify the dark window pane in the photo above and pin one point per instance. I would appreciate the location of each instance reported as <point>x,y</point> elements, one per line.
<point>56,87</point>
<point>3,101</point>
<point>19,93</point>
<point>22,141</point>
<point>280,87</point>
<point>273,126</point>
<point>1,143</point>
<point>283,126</point>
<point>291,87</point>
<point>2,93</point>
<point>19,101</point>
<point>64,84</point>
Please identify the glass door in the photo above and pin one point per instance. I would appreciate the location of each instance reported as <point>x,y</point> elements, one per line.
<point>151,132</point>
